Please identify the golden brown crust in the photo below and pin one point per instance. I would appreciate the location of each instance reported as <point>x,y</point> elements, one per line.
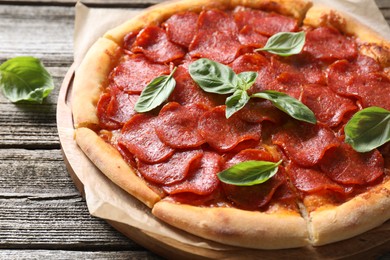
<point>90,79</point>
<point>283,229</point>
<point>110,162</point>
<point>360,214</point>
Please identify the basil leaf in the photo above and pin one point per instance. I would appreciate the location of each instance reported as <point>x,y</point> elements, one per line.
<point>249,173</point>
<point>213,77</point>
<point>25,78</point>
<point>285,43</point>
<point>289,105</point>
<point>155,93</point>
<point>235,102</point>
<point>246,79</point>
<point>368,129</point>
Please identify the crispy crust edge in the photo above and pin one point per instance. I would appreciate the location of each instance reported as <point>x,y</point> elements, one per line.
<point>231,226</point>
<point>111,163</point>
<point>362,213</point>
<point>90,80</point>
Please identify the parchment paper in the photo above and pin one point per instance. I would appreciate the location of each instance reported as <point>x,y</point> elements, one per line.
<point>104,199</point>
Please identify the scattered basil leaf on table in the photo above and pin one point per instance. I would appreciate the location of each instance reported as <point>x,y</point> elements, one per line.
<point>213,77</point>
<point>25,78</point>
<point>289,105</point>
<point>285,43</point>
<point>249,173</point>
<point>155,93</point>
<point>368,129</point>
<point>236,101</point>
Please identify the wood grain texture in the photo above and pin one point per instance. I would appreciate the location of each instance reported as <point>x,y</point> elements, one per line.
<point>80,255</point>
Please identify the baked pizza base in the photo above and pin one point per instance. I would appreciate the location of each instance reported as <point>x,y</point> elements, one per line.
<point>262,230</point>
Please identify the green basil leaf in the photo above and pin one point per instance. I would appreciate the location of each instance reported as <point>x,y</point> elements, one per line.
<point>289,105</point>
<point>213,77</point>
<point>235,102</point>
<point>285,43</point>
<point>155,93</point>
<point>368,129</point>
<point>246,79</point>
<point>25,78</point>
<point>249,173</point>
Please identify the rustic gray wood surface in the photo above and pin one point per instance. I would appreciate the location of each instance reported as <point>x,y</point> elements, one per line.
<point>42,215</point>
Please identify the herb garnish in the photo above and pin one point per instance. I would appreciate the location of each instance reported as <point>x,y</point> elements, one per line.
<point>25,78</point>
<point>217,78</point>
<point>285,43</point>
<point>156,92</point>
<point>289,105</point>
<point>249,173</point>
<point>368,129</point>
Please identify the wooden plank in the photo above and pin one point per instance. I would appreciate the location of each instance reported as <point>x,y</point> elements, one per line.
<point>44,31</point>
<point>34,174</point>
<point>41,208</point>
<point>80,255</point>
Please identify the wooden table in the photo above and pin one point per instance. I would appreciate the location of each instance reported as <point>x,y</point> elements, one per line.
<point>42,215</point>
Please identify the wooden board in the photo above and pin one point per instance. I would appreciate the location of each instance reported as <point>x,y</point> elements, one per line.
<point>370,245</point>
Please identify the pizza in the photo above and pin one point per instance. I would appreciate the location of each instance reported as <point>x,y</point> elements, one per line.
<point>173,155</point>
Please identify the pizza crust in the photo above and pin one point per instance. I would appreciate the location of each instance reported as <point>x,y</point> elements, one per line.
<point>90,79</point>
<point>250,229</point>
<point>110,162</point>
<point>360,214</point>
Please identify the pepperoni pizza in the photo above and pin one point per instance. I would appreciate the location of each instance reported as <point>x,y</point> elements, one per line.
<point>170,157</point>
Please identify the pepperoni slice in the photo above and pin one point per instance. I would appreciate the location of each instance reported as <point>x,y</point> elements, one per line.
<point>328,107</point>
<point>188,92</point>
<point>347,166</point>
<point>256,196</point>
<point>129,40</point>
<point>253,197</point>
<point>249,36</point>
<point>305,144</point>
<point>224,134</point>
<point>135,73</point>
<point>373,90</point>
<point>121,106</point>
<point>178,125</point>
<point>202,180</point>
<point>181,28</point>
<point>139,137</point>
<point>311,180</point>
<point>258,63</point>
<point>342,74</point>
<point>217,37</point>
<point>265,23</point>
<point>328,44</point>
<point>154,44</point>
<point>307,71</point>
<point>104,120</point>
<point>260,154</point>
<point>256,111</point>
<point>171,171</point>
